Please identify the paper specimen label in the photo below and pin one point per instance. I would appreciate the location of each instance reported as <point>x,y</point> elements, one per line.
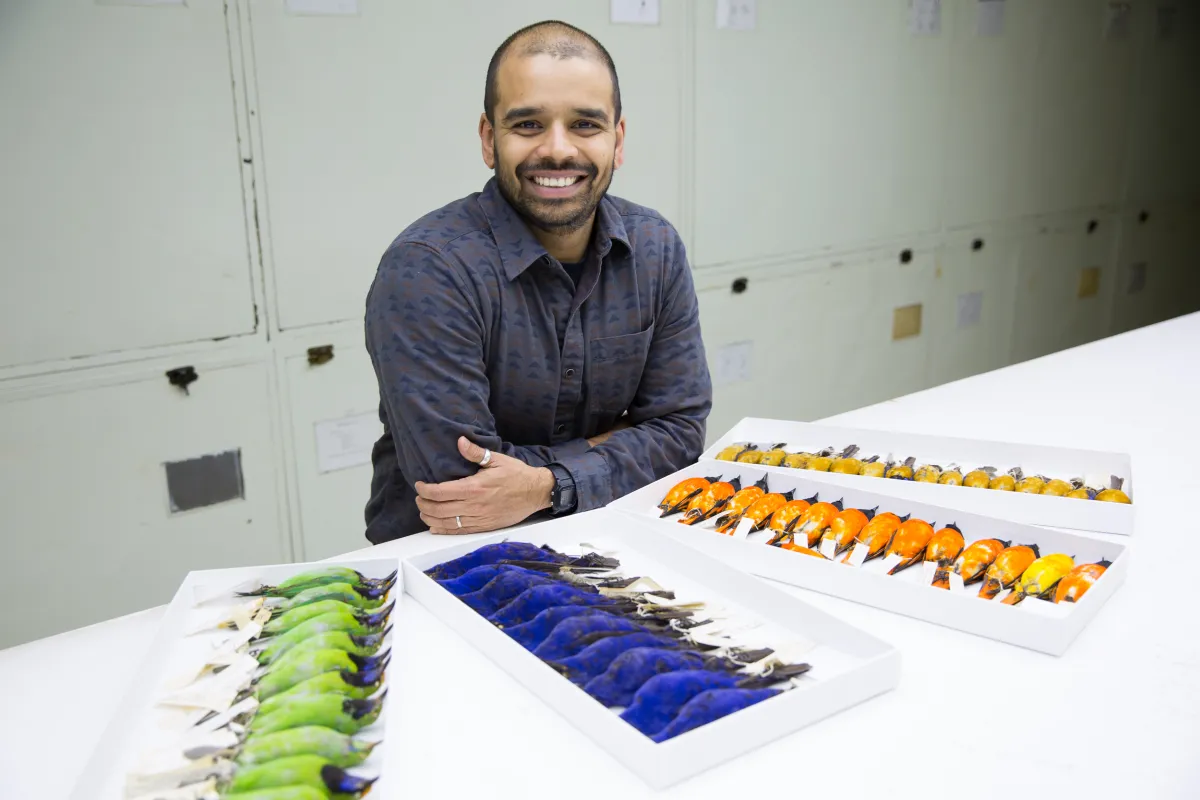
<point>743,528</point>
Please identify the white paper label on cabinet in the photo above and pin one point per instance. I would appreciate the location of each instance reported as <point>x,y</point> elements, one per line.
<point>737,15</point>
<point>636,12</point>
<point>1118,19</point>
<point>346,442</point>
<point>970,304</point>
<point>1165,18</point>
<point>732,363</point>
<point>1137,278</point>
<point>925,17</point>
<point>323,7</point>
<point>989,18</point>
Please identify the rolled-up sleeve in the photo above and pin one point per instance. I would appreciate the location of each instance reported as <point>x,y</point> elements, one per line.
<point>426,334</point>
<point>670,409</point>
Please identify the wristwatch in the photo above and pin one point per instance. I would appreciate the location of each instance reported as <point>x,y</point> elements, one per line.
<point>562,496</point>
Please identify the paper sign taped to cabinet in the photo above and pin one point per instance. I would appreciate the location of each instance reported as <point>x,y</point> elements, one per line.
<point>925,17</point>
<point>347,442</point>
<point>989,18</point>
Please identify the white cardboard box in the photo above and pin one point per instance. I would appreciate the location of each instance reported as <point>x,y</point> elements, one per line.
<point>139,728</point>
<point>1054,462</point>
<point>848,665</point>
<point>1036,624</point>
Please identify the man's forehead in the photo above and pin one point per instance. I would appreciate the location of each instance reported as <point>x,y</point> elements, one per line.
<point>547,81</point>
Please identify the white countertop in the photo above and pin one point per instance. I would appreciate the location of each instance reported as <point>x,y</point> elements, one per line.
<point>1117,715</point>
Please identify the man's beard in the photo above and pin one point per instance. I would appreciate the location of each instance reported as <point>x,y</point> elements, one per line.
<point>552,216</point>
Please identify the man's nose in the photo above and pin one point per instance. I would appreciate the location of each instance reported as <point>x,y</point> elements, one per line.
<point>558,144</point>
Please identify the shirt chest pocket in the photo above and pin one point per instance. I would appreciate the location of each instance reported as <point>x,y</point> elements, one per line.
<point>616,364</point>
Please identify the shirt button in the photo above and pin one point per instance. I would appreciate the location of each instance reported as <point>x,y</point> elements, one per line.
<point>560,429</point>
<point>570,373</point>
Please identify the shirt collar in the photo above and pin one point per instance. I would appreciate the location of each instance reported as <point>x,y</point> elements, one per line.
<point>519,248</point>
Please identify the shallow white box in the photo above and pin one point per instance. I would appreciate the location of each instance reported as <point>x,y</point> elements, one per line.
<point>1036,624</point>
<point>1054,462</point>
<point>139,727</point>
<point>849,666</point>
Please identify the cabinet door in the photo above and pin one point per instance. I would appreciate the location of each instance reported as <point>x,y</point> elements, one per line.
<point>1081,103</point>
<point>124,224</point>
<point>1065,281</point>
<point>970,326</point>
<point>1158,270</point>
<point>334,409</point>
<point>821,127</point>
<point>87,514</point>
<point>370,121</point>
<point>1164,162</point>
<point>809,340</point>
<point>989,111</point>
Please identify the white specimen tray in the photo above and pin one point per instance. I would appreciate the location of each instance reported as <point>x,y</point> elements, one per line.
<point>848,665</point>
<point>1036,624</point>
<point>968,454</point>
<point>140,727</point>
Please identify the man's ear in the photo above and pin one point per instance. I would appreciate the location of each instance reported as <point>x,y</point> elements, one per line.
<point>487,140</point>
<point>619,153</point>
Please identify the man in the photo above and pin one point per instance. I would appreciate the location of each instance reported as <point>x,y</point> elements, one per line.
<point>537,344</point>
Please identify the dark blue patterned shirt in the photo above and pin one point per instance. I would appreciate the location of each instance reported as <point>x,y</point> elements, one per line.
<point>463,324</point>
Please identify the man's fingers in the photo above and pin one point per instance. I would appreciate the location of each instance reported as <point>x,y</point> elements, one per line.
<point>460,489</point>
<point>446,509</point>
<point>469,450</point>
<point>450,526</point>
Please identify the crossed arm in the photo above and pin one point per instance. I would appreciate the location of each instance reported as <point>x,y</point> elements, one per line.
<point>429,357</point>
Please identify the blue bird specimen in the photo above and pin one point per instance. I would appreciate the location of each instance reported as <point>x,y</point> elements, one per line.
<point>473,579</point>
<point>573,634</point>
<point>531,602</point>
<point>632,668</point>
<point>709,706</point>
<point>663,696</point>
<point>494,554</point>
<point>531,634</point>
<point>504,587</point>
<point>594,659</point>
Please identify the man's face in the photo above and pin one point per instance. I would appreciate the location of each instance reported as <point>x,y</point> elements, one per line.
<point>555,143</point>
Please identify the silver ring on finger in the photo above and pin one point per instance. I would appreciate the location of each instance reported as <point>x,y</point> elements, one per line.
<point>459,521</point>
<point>487,457</point>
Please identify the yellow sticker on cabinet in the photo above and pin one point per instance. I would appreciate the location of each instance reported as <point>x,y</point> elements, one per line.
<point>1089,282</point>
<point>906,321</point>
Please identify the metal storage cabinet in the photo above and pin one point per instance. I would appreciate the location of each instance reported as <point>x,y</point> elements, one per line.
<point>370,121</point>
<point>823,127</point>
<point>329,498</point>
<point>1158,269</point>
<point>88,527</point>
<point>1080,100</point>
<point>1055,307</point>
<point>981,345</point>
<point>124,225</point>
<point>820,335</point>
<point>1164,159</point>
<point>989,113</point>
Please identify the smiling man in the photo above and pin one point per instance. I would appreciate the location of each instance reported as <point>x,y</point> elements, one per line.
<point>537,344</point>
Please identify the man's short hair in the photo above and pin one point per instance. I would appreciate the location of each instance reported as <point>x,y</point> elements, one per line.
<point>554,38</point>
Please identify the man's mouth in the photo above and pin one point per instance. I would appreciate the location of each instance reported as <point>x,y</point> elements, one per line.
<point>556,184</point>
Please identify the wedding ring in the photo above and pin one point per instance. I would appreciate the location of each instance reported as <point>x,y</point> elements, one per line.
<point>487,456</point>
<point>459,521</point>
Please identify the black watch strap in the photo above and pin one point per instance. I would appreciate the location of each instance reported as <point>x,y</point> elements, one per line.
<point>562,496</point>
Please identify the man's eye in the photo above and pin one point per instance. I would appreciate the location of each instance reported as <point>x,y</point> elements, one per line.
<point>527,125</point>
<point>585,124</point>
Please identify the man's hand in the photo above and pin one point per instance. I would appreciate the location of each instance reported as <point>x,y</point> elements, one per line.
<point>503,492</point>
